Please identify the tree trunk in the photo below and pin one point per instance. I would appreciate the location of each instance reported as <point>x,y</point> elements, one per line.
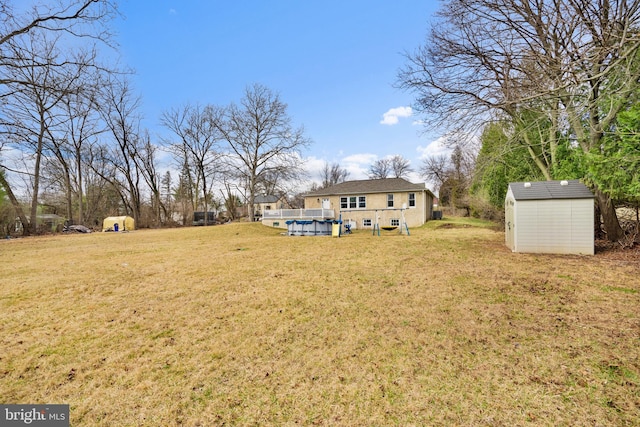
<point>16,205</point>
<point>69,196</point>
<point>36,180</point>
<point>609,217</point>
<point>80,188</point>
<point>204,194</point>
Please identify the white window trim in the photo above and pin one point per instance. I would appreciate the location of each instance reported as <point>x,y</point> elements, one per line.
<point>347,200</point>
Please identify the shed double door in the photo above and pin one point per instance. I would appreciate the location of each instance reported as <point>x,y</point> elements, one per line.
<point>509,224</point>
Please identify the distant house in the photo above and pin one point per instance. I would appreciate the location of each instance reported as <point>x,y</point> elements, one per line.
<point>386,202</point>
<point>549,217</point>
<point>267,203</point>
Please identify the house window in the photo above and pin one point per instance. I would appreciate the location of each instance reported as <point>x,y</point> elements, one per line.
<point>395,222</point>
<point>412,200</point>
<point>389,200</point>
<point>353,202</point>
<point>267,208</point>
<point>366,222</point>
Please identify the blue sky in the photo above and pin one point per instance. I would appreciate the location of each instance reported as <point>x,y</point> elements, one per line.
<point>333,62</point>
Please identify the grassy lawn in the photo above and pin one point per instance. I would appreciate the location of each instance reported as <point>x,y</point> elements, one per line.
<point>240,325</point>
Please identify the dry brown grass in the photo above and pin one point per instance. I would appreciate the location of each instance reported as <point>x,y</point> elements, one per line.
<point>239,325</point>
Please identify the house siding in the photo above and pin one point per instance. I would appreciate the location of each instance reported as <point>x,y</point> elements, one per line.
<point>413,216</point>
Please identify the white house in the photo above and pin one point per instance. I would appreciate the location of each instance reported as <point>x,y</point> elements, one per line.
<point>550,217</point>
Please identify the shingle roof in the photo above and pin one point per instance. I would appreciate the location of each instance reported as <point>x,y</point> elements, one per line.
<point>266,199</point>
<point>368,186</point>
<point>544,190</point>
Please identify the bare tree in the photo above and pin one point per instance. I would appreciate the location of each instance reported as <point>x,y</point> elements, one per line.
<point>80,130</point>
<point>119,110</point>
<point>277,183</point>
<point>198,132</point>
<point>570,61</point>
<point>452,176</point>
<point>147,163</point>
<point>231,202</point>
<point>78,18</point>
<point>394,166</point>
<point>401,167</point>
<point>77,126</point>
<point>32,113</point>
<point>333,174</point>
<point>435,169</point>
<point>22,216</point>
<point>380,169</point>
<point>31,64</point>
<point>262,140</point>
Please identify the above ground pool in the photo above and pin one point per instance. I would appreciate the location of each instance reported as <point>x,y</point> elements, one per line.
<point>312,227</point>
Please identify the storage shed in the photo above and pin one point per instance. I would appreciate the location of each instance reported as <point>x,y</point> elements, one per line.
<point>118,223</point>
<point>549,217</point>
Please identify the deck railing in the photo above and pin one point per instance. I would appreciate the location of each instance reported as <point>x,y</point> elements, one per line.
<point>298,213</point>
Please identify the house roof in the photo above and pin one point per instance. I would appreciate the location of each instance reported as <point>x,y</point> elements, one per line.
<point>544,190</point>
<point>368,186</point>
<point>266,199</point>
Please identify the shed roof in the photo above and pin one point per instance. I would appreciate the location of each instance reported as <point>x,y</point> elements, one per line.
<point>545,190</point>
<point>366,186</point>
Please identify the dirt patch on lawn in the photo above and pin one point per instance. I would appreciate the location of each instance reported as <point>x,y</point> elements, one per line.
<point>615,252</point>
<point>449,225</point>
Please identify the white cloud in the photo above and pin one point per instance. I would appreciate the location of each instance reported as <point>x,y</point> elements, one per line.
<point>363,158</point>
<point>313,166</point>
<point>172,11</point>
<point>358,165</point>
<point>393,116</point>
<point>435,148</point>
